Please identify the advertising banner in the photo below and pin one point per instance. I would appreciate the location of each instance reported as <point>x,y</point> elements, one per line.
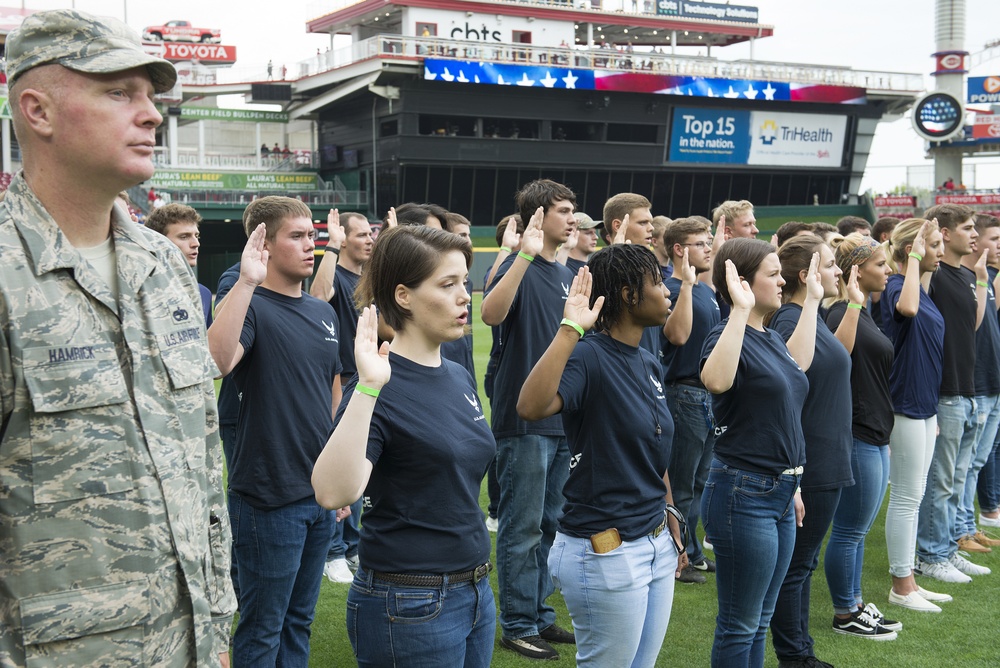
<point>801,140</point>
<point>986,127</point>
<point>968,200</point>
<point>207,53</point>
<point>186,180</point>
<point>757,138</point>
<point>246,115</point>
<point>984,90</point>
<point>708,10</point>
<point>894,201</point>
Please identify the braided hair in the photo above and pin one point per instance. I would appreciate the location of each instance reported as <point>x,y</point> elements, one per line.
<point>616,267</point>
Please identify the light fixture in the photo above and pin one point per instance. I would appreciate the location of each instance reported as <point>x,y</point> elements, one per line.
<point>700,37</point>
<point>531,19</point>
<point>576,26</point>
<point>654,32</point>
<point>685,33</point>
<point>626,31</point>
<point>469,14</point>
<point>376,18</point>
<point>387,13</point>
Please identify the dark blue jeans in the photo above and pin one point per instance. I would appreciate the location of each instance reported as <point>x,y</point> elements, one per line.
<point>790,623</point>
<point>449,626</point>
<point>856,512</point>
<point>750,518</point>
<point>988,488</point>
<point>346,535</point>
<point>281,555</point>
<point>690,455</point>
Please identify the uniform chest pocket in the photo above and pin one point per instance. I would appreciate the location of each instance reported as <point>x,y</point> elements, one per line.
<point>185,357</point>
<point>78,423</point>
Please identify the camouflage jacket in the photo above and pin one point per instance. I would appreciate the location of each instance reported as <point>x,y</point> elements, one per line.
<point>111,493</point>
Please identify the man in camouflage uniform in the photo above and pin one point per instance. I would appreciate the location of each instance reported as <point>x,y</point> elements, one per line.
<point>114,538</point>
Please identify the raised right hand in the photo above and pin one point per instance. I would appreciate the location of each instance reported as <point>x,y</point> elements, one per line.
<point>920,241</point>
<point>577,306</point>
<point>739,290</point>
<point>533,238</point>
<point>372,361</point>
<point>253,262</point>
<point>511,239</point>
<point>335,230</point>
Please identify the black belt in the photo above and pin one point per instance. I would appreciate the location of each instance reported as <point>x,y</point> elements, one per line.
<point>415,580</point>
<point>690,382</point>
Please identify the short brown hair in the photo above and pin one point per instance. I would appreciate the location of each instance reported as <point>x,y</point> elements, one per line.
<point>163,217</point>
<point>541,193</point>
<point>984,221</point>
<point>453,219</point>
<point>849,224</point>
<point>621,204</point>
<point>272,211</point>
<point>795,256</point>
<point>883,225</point>
<point>347,216</point>
<point>746,254</point>
<point>659,226</point>
<point>791,229</point>
<point>678,231</point>
<point>404,255</point>
<point>731,209</point>
<point>949,215</point>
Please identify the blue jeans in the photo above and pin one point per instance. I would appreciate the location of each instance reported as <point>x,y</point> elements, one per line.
<point>690,454</point>
<point>620,601</point>
<point>533,470</point>
<point>989,480</point>
<point>988,419</point>
<point>228,434</point>
<point>451,625</point>
<point>790,622</point>
<point>346,535</point>
<point>936,539</point>
<point>856,512</point>
<point>281,555</point>
<point>750,518</point>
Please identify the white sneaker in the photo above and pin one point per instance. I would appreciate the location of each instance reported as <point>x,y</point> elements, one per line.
<point>943,571</point>
<point>989,521</point>
<point>913,601</point>
<point>337,570</point>
<point>708,546</point>
<point>492,524</point>
<point>965,566</point>
<point>934,596</point>
<point>352,563</point>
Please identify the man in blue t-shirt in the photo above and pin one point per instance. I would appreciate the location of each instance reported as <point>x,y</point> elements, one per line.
<point>525,302</point>
<point>348,248</point>
<point>281,346</point>
<point>960,296</point>
<point>695,312</point>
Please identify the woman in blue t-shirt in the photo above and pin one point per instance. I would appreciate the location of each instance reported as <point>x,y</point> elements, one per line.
<point>863,261</point>
<point>916,327</point>
<point>411,436</point>
<point>614,557</point>
<point>749,506</point>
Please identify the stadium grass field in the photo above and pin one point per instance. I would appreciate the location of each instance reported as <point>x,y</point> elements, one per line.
<point>959,636</point>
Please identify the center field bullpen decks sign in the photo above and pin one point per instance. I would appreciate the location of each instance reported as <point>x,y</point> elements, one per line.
<point>246,115</point>
<point>183,180</point>
<point>757,138</point>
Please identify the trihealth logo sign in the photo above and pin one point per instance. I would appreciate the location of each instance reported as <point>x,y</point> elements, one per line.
<point>984,90</point>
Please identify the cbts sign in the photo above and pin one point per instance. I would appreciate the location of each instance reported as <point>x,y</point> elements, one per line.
<point>708,10</point>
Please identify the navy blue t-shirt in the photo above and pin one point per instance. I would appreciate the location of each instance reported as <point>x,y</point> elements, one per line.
<point>422,510</point>
<point>285,380</point>
<point>344,283</point>
<point>460,350</point>
<point>826,414</point>
<point>684,362</point>
<point>918,346</point>
<point>988,345</point>
<point>525,334</point>
<point>871,363</point>
<point>229,398</point>
<point>758,419</point>
<point>953,291</point>
<point>206,304</point>
<point>613,402</point>
<point>574,265</point>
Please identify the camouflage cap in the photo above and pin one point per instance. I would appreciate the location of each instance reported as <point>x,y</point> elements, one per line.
<point>83,43</point>
<point>585,222</point>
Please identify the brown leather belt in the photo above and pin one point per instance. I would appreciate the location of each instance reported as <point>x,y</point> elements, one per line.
<point>415,580</point>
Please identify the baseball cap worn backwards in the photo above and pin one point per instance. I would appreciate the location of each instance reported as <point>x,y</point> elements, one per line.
<point>83,43</point>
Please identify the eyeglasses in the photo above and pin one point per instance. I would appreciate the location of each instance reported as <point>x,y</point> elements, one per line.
<point>701,245</point>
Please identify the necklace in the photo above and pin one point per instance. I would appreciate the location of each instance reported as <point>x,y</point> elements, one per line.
<point>638,385</point>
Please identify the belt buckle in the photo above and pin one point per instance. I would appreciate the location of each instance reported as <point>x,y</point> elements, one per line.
<point>481,572</point>
<point>658,530</point>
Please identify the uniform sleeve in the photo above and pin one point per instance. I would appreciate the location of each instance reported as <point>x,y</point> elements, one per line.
<point>785,321</point>
<point>219,584</point>
<point>6,373</point>
<point>226,283</point>
<point>835,315</point>
<point>500,272</point>
<point>889,299</point>
<point>249,333</point>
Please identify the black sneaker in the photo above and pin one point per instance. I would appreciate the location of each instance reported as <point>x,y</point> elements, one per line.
<point>706,565</point>
<point>862,625</point>
<point>690,575</point>
<point>808,662</point>
<point>532,647</point>
<point>880,619</point>
<point>557,634</point>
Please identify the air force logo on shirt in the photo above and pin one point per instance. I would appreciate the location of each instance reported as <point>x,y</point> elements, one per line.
<point>659,387</point>
<point>474,402</point>
<point>565,290</point>
<point>332,329</point>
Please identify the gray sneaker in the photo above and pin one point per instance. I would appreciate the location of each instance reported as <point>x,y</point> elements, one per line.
<point>691,575</point>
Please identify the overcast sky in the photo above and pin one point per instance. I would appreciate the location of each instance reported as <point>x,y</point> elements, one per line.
<point>869,35</point>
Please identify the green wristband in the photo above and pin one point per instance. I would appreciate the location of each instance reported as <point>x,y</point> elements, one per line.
<point>917,256</point>
<point>570,323</point>
<point>852,305</point>
<point>364,389</point>
<point>982,284</point>
<point>506,250</point>
<point>529,258</point>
